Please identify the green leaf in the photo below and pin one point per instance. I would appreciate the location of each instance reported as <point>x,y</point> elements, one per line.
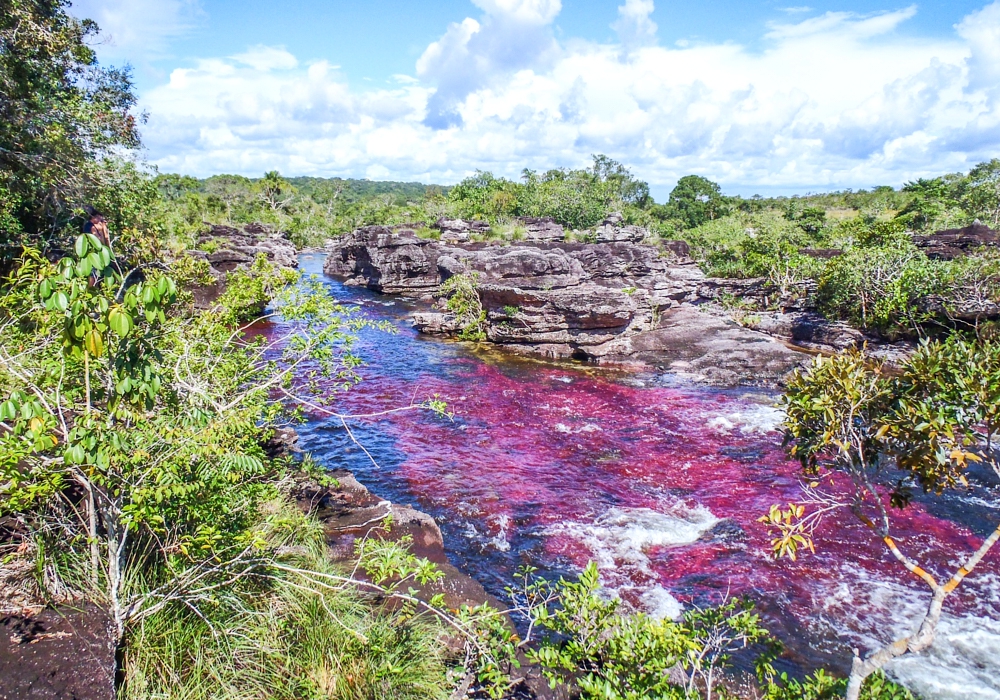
<point>94,343</point>
<point>45,289</point>
<point>120,322</point>
<point>8,410</point>
<point>82,245</point>
<point>61,301</point>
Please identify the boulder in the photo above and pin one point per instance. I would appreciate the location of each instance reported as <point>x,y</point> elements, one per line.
<point>459,230</point>
<point>542,229</point>
<point>385,261</point>
<point>613,230</point>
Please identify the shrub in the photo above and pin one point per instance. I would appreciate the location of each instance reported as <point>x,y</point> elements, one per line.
<point>878,288</point>
<point>462,299</point>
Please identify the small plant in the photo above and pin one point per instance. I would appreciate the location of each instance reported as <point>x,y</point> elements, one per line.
<point>739,309</point>
<point>463,301</point>
<point>212,245</point>
<point>511,311</point>
<point>629,291</point>
<point>428,233</point>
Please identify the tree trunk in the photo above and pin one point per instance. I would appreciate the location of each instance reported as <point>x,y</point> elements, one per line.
<point>924,637</point>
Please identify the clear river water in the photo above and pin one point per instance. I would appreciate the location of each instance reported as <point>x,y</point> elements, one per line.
<point>661,483</point>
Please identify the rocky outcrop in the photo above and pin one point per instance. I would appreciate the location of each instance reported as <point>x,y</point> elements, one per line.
<point>349,512</point>
<point>591,301</point>
<point>542,229</point>
<point>459,230</point>
<point>958,242</point>
<point>227,248</point>
<point>614,230</point>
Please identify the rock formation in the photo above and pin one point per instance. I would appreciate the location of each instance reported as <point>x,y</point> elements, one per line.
<point>226,249</point>
<point>616,300</point>
<point>957,242</point>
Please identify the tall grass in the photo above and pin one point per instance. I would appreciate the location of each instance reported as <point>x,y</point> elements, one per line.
<point>286,640</point>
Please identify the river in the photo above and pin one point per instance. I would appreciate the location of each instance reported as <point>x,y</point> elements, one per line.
<point>658,481</point>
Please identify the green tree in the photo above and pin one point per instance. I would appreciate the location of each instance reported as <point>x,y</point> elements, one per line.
<point>156,419</point>
<point>980,193</point>
<point>59,115</point>
<point>695,200</point>
<point>932,418</point>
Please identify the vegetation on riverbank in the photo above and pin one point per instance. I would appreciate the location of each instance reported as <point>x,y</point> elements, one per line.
<point>893,433</point>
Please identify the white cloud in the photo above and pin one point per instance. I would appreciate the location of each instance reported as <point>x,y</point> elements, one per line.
<point>265,58</point>
<point>137,28</point>
<point>831,101</point>
<point>513,35</point>
<point>634,25</point>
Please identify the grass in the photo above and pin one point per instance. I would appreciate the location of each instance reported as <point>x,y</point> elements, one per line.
<point>286,639</point>
<point>429,233</point>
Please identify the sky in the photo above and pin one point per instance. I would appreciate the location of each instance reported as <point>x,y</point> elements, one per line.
<point>762,97</point>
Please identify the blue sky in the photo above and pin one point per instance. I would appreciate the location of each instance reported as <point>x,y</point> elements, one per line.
<point>761,97</point>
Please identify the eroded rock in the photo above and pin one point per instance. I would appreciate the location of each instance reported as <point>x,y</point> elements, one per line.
<point>957,242</point>
<point>227,248</point>
<point>600,302</point>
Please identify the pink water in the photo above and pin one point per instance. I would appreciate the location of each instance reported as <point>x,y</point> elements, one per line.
<point>660,483</point>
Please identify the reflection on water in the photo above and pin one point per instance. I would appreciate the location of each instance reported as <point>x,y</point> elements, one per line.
<point>660,483</point>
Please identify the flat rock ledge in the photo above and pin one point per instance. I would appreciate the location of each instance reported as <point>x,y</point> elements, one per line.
<point>615,300</point>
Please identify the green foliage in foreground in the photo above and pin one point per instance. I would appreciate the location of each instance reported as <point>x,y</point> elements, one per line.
<point>131,434</point>
<point>289,634</point>
<point>823,686</point>
<point>868,437</point>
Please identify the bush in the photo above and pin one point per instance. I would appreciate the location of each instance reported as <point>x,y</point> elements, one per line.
<point>878,289</point>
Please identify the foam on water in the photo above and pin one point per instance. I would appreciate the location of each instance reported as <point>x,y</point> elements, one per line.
<point>962,664</point>
<point>622,537</point>
<point>753,420</point>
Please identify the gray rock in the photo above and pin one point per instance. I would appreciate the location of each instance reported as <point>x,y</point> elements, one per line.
<point>235,248</point>
<point>612,230</point>
<point>542,229</point>
<point>459,230</point>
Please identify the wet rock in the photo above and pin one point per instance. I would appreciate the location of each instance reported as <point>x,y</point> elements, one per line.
<point>435,323</point>
<point>283,442</point>
<point>726,530</point>
<point>57,654</point>
<point>350,512</point>
<point>958,242</point>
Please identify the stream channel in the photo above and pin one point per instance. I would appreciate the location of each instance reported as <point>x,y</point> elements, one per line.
<point>661,483</point>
